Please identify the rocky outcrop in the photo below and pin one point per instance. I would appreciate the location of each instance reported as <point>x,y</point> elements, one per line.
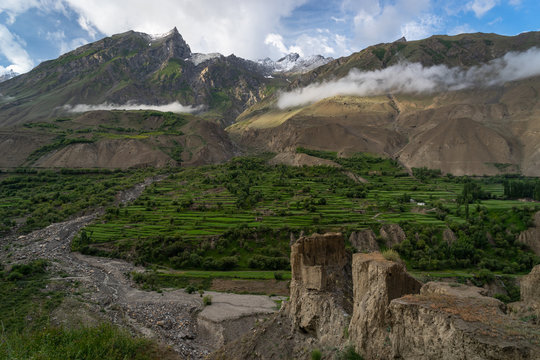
<point>376,282</point>
<point>530,294</point>
<point>295,159</point>
<point>448,236</point>
<point>394,316</point>
<point>530,286</point>
<point>531,237</point>
<point>455,323</point>
<point>364,241</point>
<point>320,287</point>
<point>392,234</point>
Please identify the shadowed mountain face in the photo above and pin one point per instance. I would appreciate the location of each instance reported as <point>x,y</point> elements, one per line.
<point>137,68</point>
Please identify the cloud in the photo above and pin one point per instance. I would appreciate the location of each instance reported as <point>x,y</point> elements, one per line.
<point>323,42</point>
<point>376,21</point>
<point>175,107</point>
<point>207,25</point>
<point>86,26</point>
<point>416,79</point>
<point>461,29</point>
<point>481,7</point>
<point>13,51</point>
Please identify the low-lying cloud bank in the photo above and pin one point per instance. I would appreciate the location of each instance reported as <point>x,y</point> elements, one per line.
<point>174,107</point>
<point>416,79</point>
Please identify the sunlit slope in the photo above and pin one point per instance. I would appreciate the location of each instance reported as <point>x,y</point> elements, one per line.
<point>477,131</point>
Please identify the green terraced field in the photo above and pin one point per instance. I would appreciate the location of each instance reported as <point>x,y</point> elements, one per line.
<point>241,215</point>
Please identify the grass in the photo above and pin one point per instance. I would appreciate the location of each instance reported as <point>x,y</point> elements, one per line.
<point>240,216</point>
<point>101,342</point>
<point>26,303</point>
<point>33,199</point>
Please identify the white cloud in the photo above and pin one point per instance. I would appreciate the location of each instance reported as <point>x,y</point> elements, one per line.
<point>414,78</point>
<point>238,27</point>
<point>12,49</point>
<point>515,2</point>
<point>86,26</point>
<point>481,7</point>
<point>461,29</point>
<point>376,21</point>
<point>323,43</point>
<point>425,26</point>
<point>175,107</point>
<point>338,20</point>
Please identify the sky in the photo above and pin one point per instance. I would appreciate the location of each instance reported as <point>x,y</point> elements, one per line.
<point>32,31</point>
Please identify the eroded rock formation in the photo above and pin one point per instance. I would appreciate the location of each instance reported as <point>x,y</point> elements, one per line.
<point>531,237</point>
<point>364,241</point>
<point>394,316</point>
<point>392,234</point>
<point>321,287</point>
<point>376,282</point>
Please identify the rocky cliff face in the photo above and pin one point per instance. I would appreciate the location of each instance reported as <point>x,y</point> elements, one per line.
<point>393,317</point>
<point>134,68</point>
<point>392,234</point>
<point>364,241</point>
<point>321,287</point>
<point>376,281</point>
<point>531,237</point>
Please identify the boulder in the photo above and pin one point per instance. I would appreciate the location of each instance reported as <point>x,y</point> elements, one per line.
<point>364,241</point>
<point>392,234</point>
<point>321,287</point>
<point>376,282</point>
<point>531,237</point>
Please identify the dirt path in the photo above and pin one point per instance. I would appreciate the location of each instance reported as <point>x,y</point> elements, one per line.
<point>104,285</point>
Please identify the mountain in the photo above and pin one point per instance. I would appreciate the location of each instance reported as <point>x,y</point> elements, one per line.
<point>294,64</point>
<point>137,68</point>
<point>476,130</point>
<point>464,50</point>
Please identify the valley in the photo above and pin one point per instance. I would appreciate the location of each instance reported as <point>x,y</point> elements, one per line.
<point>192,206</point>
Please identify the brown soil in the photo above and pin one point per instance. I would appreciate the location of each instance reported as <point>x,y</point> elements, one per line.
<point>239,286</point>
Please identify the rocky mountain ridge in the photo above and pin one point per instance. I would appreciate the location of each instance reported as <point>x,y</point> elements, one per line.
<point>294,64</point>
<point>133,68</point>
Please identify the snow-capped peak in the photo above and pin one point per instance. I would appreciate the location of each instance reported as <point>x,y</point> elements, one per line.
<point>154,37</point>
<point>294,63</point>
<point>200,58</point>
<point>7,75</point>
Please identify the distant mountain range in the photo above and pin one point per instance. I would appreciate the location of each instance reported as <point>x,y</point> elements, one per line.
<point>459,129</point>
<point>294,64</point>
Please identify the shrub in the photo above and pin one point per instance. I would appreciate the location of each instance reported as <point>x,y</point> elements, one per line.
<point>190,289</point>
<point>316,355</point>
<point>14,276</point>
<point>349,354</point>
<point>485,276</point>
<point>392,255</point>
<point>207,300</point>
<point>278,275</point>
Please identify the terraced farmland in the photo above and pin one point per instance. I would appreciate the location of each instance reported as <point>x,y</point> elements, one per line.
<point>242,215</point>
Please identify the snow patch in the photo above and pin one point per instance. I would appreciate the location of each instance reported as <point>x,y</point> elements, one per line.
<point>294,63</point>
<point>200,58</point>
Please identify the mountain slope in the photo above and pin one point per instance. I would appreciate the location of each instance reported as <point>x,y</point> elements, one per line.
<point>487,130</point>
<point>133,67</point>
<point>463,50</point>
